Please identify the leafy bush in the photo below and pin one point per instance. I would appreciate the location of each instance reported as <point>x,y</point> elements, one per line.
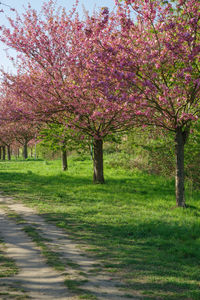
<point>152,150</point>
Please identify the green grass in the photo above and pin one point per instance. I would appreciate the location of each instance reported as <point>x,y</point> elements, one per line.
<point>128,223</point>
<point>74,286</point>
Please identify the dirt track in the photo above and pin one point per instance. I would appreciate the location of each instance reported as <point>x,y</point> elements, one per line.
<point>35,276</point>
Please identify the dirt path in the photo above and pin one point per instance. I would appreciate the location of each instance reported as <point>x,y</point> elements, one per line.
<point>36,276</point>
<point>38,279</point>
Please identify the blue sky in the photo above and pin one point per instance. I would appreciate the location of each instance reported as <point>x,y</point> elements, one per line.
<point>89,5</point>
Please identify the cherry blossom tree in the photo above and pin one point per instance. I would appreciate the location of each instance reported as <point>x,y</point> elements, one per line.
<point>104,74</point>
<point>67,78</point>
<point>159,49</point>
<point>24,133</point>
<point>20,132</point>
<point>7,138</point>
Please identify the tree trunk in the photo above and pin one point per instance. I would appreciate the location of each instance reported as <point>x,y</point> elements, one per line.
<point>25,151</point>
<point>35,154</point>
<point>64,159</point>
<point>9,152</point>
<point>91,151</point>
<point>98,161</point>
<point>4,152</point>
<point>180,140</point>
<point>0,153</point>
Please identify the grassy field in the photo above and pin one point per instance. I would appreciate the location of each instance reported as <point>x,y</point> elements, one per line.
<point>129,223</point>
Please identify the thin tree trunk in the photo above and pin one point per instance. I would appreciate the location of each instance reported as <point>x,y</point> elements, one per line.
<point>4,152</point>
<point>25,151</point>
<point>64,159</point>
<point>180,140</point>
<point>98,176</point>
<point>9,152</point>
<point>35,154</point>
<point>91,151</point>
<point>0,153</point>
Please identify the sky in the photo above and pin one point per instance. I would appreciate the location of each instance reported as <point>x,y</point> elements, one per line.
<point>19,5</point>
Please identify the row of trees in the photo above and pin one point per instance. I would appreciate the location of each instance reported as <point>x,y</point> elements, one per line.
<point>17,135</point>
<point>138,66</point>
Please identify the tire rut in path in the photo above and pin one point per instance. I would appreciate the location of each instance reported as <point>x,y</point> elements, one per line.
<point>37,278</point>
<point>100,284</point>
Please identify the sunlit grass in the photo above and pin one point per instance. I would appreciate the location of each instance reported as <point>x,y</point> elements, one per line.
<point>129,223</point>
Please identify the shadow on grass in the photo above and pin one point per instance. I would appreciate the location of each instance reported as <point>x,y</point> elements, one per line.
<point>156,258</point>
<point>154,253</point>
<point>138,187</point>
<point>30,179</point>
